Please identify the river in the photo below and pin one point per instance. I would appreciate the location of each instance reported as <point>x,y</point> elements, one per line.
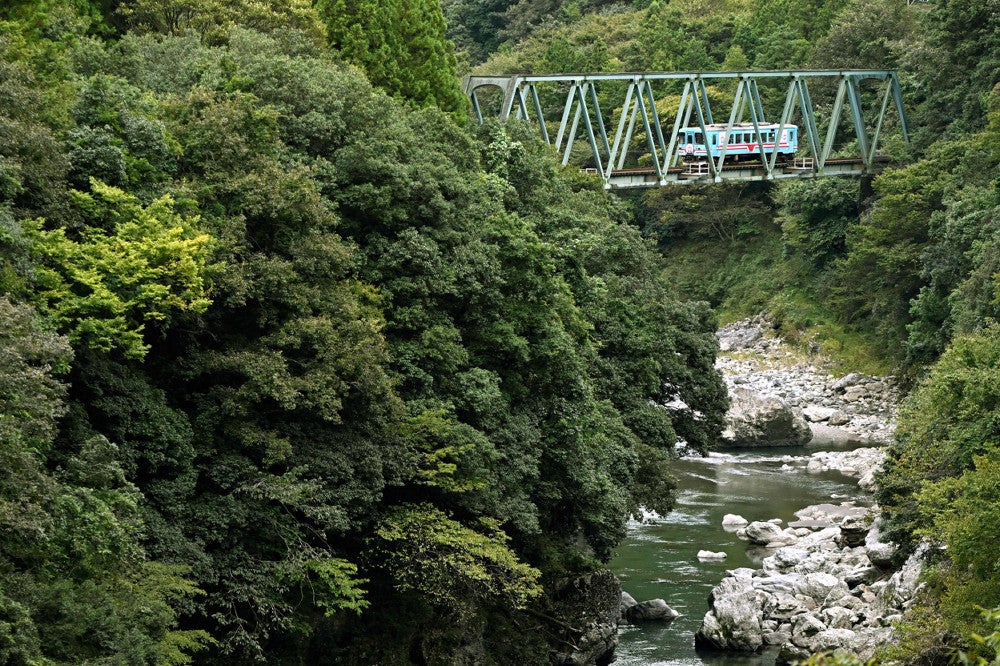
<point>659,559</point>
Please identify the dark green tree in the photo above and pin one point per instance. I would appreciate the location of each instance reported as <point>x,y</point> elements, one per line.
<point>400,45</point>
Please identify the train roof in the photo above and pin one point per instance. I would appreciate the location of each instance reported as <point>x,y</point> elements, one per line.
<point>737,127</point>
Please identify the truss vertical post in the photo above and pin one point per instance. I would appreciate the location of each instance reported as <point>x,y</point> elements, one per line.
<point>897,96</point>
<point>522,108</point>
<point>809,120</point>
<point>572,135</point>
<point>650,141</point>
<point>567,109</point>
<point>600,121</point>
<point>786,116</point>
<point>589,126</point>
<point>475,106</point>
<point>707,108</point>
<point>633,116</point>
<point>702,113</point>
<point>660,142</point>
<point>756,118</point>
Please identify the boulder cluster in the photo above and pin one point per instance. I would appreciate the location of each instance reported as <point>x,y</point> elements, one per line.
<point>780,399</point>
<point>831,589</point>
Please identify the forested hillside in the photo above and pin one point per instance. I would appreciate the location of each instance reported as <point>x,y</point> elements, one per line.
<point>299,366</point>
<point>898,273</point>
<point>297,369</point>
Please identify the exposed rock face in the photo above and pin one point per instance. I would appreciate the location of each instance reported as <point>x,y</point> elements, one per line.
<point>758,420</point>
<point>827,583</point>
<point>587,610</point>
<point>853,406</point>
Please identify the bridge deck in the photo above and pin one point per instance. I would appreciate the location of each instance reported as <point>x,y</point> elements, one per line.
<point>630,178</point>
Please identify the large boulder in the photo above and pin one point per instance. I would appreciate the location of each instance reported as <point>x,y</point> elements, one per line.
<point>654,610</point>
<point>755,420</point>
<point>767,533</point>
<point>734,621</point>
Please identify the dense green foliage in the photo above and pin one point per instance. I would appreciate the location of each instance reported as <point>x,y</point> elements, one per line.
<point>296,369</point>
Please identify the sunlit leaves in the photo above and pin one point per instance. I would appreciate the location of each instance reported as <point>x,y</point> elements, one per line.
<point>451,564</point>
<point>103,289</point>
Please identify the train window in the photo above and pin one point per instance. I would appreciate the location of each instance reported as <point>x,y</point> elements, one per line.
<point>699,139</point>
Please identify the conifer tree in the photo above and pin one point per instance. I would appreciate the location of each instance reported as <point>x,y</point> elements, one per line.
<point>400,45</point>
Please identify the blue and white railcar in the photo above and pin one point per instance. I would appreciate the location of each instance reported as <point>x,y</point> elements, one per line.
<point>741,144</point>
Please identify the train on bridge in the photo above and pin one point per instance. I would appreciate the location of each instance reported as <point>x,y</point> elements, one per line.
<point>742,143</point>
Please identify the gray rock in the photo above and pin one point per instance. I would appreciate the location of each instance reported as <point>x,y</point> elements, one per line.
<point>831,639</point>
<point>822,587</point>
<point>781,584</point>
<point>854,531</point>
<point>856,577</point>
<point>628,601</point>
<point>855,393</point>
<point>804,627</point>
<point>816,414</point>
<point>733,520</point>
<point>838,418</point>
<point>709,555</point>
<point>846,381</point>
<point>776,637</point>
<point>654,610</point>
<point>782,607</point>
<point>755,420</point>
<point>791,654</point>
<point>786,558</point>
<point>837,617</point>
<point>763,533</point>
<point>734,621</point>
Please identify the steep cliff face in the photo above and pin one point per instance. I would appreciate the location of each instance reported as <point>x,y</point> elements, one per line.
<point>585,612</point>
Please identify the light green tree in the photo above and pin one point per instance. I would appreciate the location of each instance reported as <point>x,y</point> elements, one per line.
<point>137,264</point>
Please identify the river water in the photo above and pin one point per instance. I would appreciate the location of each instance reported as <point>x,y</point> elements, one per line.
<point>658,559</point>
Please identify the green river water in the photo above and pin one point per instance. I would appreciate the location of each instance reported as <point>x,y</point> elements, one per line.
<point>659,559</point>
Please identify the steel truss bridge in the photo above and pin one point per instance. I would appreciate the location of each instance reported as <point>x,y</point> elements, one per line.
<point>849,147</point>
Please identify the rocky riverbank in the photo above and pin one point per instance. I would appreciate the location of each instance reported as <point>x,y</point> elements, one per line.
<point>827,585</point>
<point>826,582</point>
<point>780,398</point>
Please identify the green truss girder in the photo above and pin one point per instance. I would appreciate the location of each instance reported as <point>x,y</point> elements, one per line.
<point>522,100</point>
